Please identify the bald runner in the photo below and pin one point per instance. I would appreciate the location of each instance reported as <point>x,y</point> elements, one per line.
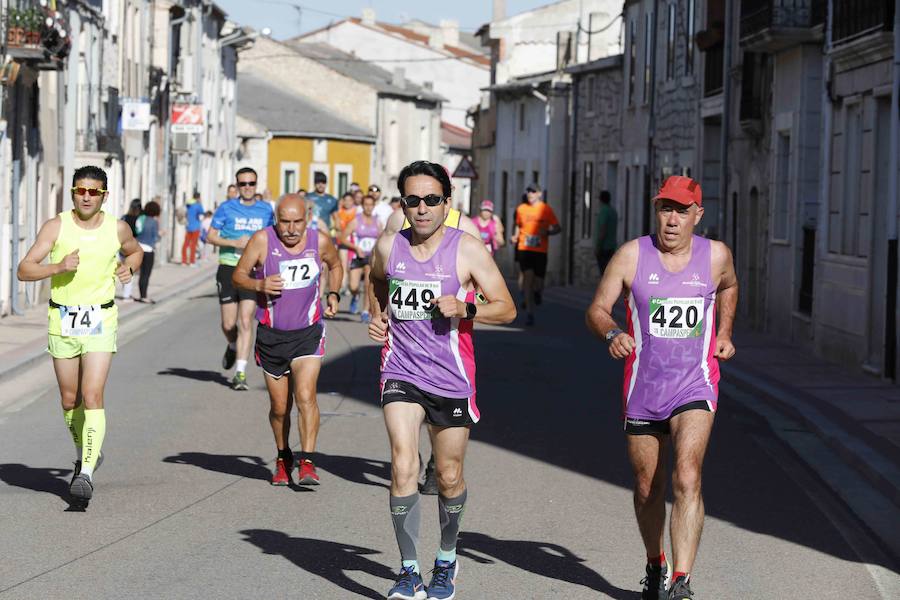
<point>287,261</point>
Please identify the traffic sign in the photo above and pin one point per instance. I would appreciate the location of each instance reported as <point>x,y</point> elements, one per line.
<point>465,169</point>
<point>135,114</point>
<point>187,118</point>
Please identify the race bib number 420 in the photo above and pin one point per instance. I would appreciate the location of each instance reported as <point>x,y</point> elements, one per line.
<point>298,273</point>
<point>78,321</point>
<point>411,300</point>
<point>676,318</point>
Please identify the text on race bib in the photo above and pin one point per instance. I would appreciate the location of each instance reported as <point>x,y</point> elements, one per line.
<point>411,300</point>
<point>366,244</point>
<point>676,318</point>
<point>298,273</point>
<point>78,321</point>
<point>532,241</point>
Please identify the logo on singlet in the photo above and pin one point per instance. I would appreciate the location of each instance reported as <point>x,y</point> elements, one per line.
<point>401,266</point>
<point>276,252</point>
<point>457,412</point>
<point>653,279</point>
<point>695,281</point>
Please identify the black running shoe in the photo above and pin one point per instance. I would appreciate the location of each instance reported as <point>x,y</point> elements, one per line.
<point>81,488</point>
<point>229,358</point>
<point>538,298</point>
<point>429,487</point>
<point>656,582</point>
<point>681,590</point>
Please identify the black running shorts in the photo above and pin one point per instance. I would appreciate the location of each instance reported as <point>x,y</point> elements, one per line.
<point>359,262</point>
<point>635,426</point>
<point>533,261</point>
<point>439,411</point>
<point>276,349</point>
<point>227,292</point>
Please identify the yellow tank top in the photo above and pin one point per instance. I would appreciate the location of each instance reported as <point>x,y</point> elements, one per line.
<point>94,282</point>
<point>452,220</point>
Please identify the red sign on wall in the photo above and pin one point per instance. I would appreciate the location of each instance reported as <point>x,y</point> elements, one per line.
<point>187,118</point>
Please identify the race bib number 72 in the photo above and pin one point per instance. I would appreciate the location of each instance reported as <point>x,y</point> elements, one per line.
<point>676,318</point>
<point>77,321</point>
<point>411,300</point>
<point>298,273</point>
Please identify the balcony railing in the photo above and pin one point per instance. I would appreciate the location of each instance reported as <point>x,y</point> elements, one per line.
<point>712,77</point>
<point>856,18</point>
<point>759,15</point>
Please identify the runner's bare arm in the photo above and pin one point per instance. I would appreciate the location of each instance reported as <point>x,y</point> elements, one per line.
<point>347,235</point>
<point>499,234</point>
<point>500,308</point>
<point>30,267</point>
<point>254,254</point>
<point>215,239</point>
<point>394,222</point>
<point>330,257</point>
<point>618,275</point>
<point>131,250</point>
<point>377,288</point>
<point>726,299</point>
<point>468,225</point>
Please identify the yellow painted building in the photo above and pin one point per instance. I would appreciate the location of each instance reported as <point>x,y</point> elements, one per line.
<point>293,161</point>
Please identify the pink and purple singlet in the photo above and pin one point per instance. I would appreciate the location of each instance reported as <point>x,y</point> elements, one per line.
<point>487,234</point>
<point>298,306</point>
<point>672,318</point>
<point>425,349</point>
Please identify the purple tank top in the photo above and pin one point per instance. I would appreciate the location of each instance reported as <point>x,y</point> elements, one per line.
<point>298,306</point>
<point>425,349</point>
<point>366,234</point>
<point>671,317</point>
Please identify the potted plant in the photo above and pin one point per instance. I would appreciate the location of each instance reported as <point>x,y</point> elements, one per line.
<point>33,20</point>
<point>14,33</point>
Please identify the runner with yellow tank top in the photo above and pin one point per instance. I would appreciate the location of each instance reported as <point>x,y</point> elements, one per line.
<point>83,245</point>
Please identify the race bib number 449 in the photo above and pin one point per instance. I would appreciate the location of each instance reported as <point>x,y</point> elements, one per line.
<point>676,318</point>
<point>298,273</point>
<point>411,300</point>
<point>78,321</point>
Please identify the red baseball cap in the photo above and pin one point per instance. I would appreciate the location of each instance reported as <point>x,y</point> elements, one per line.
<point>682,190</point>
<point>487,205</point>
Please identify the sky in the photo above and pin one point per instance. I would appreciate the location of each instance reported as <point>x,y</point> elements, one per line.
<point>285,21</point>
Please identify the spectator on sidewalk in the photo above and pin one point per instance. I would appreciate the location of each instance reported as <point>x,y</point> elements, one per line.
<point>191,230</point>
<point>205,246</point>
<point>232,193</point>
<point>605,232</point>
<point>147,238</point>
<point>131,217</point>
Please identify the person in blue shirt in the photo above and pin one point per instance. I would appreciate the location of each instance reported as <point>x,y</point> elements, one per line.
<point>232,225</point>
<point>149,234</point>
<point>193,212</point>
<point>324,206</point>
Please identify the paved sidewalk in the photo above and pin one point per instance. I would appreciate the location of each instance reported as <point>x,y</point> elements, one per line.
<point>23,339</point>
<point>801,397</point>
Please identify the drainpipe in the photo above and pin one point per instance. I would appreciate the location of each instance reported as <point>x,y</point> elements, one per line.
<point>726,119</point>
<point>573,174</point>
<point>167,135</point>
<point>17,151</point>
<point>651,122</point>
<point>71,100</point>
<point>891,363</point>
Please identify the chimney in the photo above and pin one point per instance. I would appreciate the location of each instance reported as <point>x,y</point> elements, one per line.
<point>368,16</point>
<point>450,31</point>
<point>499,10</point>
<point>398,78</point>
<point>436,39</point>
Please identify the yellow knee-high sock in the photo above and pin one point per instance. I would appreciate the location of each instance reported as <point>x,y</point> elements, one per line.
<point>75,423</point>
<point>94,431</point>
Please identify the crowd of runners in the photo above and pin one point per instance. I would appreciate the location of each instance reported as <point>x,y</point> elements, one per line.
<point>420,274</point>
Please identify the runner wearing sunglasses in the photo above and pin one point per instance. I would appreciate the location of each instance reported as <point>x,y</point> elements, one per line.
<point>232,225</point>
<point>422,276</point>
<point>83,245</point>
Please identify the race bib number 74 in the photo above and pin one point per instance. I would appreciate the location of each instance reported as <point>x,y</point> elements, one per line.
<point>411,300</point>
<point>77,321</point>
<point>676,318</point>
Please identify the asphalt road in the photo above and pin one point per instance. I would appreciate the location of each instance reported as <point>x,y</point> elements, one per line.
<point>183,509</point>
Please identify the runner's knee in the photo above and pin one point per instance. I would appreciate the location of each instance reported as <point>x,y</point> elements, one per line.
<point>686,480</point>
<point>449,475</point>
<point>405,468</point>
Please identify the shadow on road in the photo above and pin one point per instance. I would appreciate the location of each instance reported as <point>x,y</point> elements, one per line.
<point>249,467</point>
<point>199,296</point>
<point>355,469</point>
<point>540,558</point>
<point>196,375</point>
<point>50,481</point>
<point>329,560</point>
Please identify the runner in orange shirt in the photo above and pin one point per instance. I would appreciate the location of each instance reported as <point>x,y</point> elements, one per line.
<point>346,213</point>
<point>535,223</point>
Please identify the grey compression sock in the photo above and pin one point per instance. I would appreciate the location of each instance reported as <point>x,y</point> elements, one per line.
<point>405,514</point>
<point>451,512</point>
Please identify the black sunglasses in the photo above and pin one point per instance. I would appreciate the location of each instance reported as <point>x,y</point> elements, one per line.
<point>246,183</point>
<point>430,200</point>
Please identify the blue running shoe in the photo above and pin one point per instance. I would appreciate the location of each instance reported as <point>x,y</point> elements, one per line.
<point>409,586</point>
<point>354,305</point>
<point>443,580</point>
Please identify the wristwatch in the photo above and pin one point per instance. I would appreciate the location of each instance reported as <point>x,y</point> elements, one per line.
<point>471,310</point>
<point>612,334</point>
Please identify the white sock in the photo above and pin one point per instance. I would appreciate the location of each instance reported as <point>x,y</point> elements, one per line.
<point>240,366</point>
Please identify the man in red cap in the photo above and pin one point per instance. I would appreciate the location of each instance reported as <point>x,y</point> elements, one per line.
<point>681,294</point>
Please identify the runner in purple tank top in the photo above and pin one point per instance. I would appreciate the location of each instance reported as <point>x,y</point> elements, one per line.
<point>677,285</point>
<point>421,276</point>
<point>360,235</point>
<point>283,264</point>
